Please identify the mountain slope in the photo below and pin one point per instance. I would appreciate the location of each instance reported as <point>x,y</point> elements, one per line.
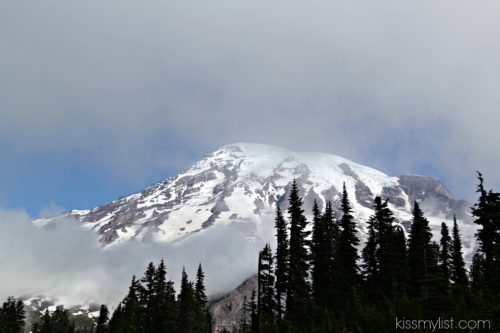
<point>243,182</point>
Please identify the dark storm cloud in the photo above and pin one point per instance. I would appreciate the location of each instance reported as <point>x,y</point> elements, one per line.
<point>124,83</point>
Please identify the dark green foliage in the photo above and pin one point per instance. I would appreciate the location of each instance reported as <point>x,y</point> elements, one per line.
<point>421,253</point>
<point>282,260</point>
<point>12,316</point>
<point>203,319</point>
<point>384,254</point>
<point>393,273</point>
<point>298,293</point>
<point>370,257</point>
<point>57,322</point>
<point>148,299</point>
<point>320,258</point>
<point>102,320</point>
<point>164,313</point>
<point>458,272</point>
<point>187,306</point>
<point>151,305</point>
<point>346,257</point>
<point>445,251</point>
<point>487,215</point>
<point>129,319</point>
<point>411,281</point>
<point>331,229</point>
<point>265,291</point>
<point>485,269</point>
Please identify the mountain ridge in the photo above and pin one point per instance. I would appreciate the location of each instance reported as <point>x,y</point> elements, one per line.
<point>243,182</point>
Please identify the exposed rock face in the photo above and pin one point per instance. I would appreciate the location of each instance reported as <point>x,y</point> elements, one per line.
<point>227,310</point>
<point>433,196</point>
<point>244,182</point>
<point>395,196</point>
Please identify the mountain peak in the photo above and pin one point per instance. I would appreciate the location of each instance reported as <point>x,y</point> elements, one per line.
<point>242,183</point>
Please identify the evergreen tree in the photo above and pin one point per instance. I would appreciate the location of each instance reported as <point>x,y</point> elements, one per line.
<point>164,314</point>
<point>331,237</point>
<point>393,271</point>
<point>132,309</point>
<point>187,306</point>
<point>458,272</point>
<point>203,321</point>
<point>254,315</point>
<point>12,316</point>
<point>429,285</point>
<point>320,257</point>
<point>445,251</point>
<point>347,253</point>
<point>265,296</point>
<point>369,254</point>
<point>282,260</point>
<point>384,255</point>
<point>487,215</point>
<point>420,251</point>
<point>102,320</point>
<point>298,293</point>
<point>148,299</point>
<point>116,323</point>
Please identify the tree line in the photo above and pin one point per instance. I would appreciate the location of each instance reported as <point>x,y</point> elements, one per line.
<point>318,281</point>
<point>150,306</point>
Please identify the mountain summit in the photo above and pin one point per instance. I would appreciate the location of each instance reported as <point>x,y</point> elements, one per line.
<point>243,183</point>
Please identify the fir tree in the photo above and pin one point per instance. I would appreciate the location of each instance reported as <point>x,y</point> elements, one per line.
<point>320,257</point>
<point>347,253</point>
<point>458,272</point>
<point>12,316</point>
<point>164,313</point>
<point>116,323</point>
<point>332,235</point>
<point>393,272</point>
<point>445,251</point>
<point>254,314</point>
<point>203,320</point>
<point>187,306</point>
<point>369,254</point>
<point>282,260</point>
<point>102,320</point>
<point>298,293</point>
<point>384,255</point>
<point>265,283</point>
<point>420,251</point>
<point>487,215</point>
<point>132,309</point>
<point>148,299</point>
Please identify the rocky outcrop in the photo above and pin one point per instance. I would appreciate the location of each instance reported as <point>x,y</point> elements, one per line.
<point>227,310</point>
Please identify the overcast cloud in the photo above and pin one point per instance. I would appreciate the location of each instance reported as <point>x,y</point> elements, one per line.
<point>133,86</point>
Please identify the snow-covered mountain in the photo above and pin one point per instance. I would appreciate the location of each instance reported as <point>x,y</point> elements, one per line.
<point>244,182</point>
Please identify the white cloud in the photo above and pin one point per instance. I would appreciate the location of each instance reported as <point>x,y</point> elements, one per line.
<point>67,263</point>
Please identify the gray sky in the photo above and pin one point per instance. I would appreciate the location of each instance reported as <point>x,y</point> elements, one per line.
<point>118,94</point>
